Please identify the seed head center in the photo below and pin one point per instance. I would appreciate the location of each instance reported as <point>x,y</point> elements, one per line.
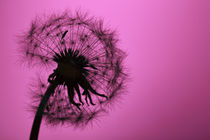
<point>69,70</point>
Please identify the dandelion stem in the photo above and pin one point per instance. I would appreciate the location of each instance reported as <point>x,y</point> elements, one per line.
<point>40,111</point>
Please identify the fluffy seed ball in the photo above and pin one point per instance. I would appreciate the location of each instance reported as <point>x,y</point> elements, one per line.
<point>86,62</point>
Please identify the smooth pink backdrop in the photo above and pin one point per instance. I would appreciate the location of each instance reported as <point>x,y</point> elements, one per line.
<point>168,46</point>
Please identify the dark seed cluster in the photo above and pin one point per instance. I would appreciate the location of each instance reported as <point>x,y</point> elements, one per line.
<point>86,64</point>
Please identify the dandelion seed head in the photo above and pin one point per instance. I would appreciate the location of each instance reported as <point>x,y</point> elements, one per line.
<point>87,64</point>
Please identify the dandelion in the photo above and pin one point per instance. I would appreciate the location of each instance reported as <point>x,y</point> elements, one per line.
<point>87,68</point>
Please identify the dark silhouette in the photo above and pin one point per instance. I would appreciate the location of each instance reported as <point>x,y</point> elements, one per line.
<point>86,62</point>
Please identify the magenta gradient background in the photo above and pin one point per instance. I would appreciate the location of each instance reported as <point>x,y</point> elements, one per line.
<point>168,46</point>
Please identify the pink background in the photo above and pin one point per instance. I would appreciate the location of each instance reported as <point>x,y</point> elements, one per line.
<point>168,46</point>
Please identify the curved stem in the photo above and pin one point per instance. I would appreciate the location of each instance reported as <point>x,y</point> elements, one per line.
<point>40,110</point>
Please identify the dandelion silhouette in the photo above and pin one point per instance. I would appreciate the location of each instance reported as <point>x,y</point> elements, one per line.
<point>87,69</point>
